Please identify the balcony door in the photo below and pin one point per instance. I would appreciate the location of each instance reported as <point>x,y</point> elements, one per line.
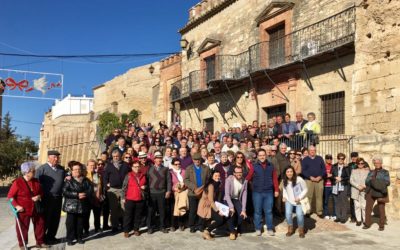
<point>276,46</point>
<point>210,68</point>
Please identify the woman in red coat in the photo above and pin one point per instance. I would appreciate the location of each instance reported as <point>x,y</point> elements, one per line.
<point>25,191</point>
<point>133,199</point>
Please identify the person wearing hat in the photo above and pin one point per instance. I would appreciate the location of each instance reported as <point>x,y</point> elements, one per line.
<point>51,177</point>
<point>25,191</point>
<point>159,181</point>
<point>144,162</point>
<point>196,176</point>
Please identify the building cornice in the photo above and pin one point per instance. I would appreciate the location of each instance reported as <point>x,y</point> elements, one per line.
<point>194,23</point>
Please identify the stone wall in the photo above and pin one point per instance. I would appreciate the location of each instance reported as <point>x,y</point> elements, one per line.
<point>235,27</point>
<point>170,72</point>
<point>376,89</point>
<point>72,135</point>
<point>131,90</point>
<point>311,11</point>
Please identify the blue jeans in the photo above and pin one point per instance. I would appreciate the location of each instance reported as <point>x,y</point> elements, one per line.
<point>327,195</point>
<point>263,202</point>
<point>236,219</point>
<point>299,214</point>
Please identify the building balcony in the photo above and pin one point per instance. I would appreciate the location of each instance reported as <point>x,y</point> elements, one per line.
<point>305,44</point>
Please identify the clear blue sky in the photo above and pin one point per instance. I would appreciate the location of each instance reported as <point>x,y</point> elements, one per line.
<point>83,27</point>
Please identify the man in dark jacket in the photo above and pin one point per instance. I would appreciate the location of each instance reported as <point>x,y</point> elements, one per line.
<point>283,162</point>
<point>159,181</point>
<point>265,188</point>
<point>51,176</point>
<point>314,171</point>
<point>114,175</point>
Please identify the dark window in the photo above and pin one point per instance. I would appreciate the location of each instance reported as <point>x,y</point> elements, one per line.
<point>210,68</point>
<point>209,124</point>
<point>275,110</point>
<point>332,113</point>
<point>276,46</point>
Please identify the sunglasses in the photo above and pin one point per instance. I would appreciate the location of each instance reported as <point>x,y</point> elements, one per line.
<point>127,157</point>
<point>341,158</point>
<point>177,164</point>
<point>239,157</point>
<point>361,163</point>
<point>100,164</point>
<point>291,153</point>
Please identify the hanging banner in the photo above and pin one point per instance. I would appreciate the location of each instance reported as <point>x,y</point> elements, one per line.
<point>30,84</point>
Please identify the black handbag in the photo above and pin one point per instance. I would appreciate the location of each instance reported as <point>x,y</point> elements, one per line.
<point>38,205</point>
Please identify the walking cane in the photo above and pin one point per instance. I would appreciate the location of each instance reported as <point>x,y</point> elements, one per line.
<point>15,212</point>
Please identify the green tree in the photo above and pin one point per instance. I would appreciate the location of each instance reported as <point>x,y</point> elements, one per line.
<point>107,123</point>
<point>134,115</point>
<point>13,149</point>
<point>7,131</point>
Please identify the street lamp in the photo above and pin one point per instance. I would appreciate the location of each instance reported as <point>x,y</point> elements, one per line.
<point>151,69</point>
<point>184,43</point>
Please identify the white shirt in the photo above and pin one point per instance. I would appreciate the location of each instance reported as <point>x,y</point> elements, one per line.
<point>234,148</point>
<point>300,189</point>
<point>237,187</point>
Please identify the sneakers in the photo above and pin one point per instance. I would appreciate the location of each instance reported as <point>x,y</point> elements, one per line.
<point>257,233</point>
<point>333,218</point>
<point>327,217</point>
<point>270,233</point>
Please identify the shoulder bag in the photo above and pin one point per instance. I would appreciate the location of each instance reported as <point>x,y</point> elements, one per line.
<point>37,204</point>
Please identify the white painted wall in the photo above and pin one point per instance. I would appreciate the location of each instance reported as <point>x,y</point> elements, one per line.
<point>72,106</point>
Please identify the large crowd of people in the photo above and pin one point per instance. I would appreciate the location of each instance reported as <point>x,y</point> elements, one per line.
<point>232,182</point>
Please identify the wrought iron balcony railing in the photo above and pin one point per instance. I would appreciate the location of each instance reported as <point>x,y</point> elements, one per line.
<point>317,38</point>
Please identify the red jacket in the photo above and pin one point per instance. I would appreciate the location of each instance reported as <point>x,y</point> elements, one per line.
<point>21,195</point>
<point>133,190</point>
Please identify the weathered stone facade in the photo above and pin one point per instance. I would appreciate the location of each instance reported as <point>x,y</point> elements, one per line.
<point>362,63</point>
<point>236,29</point>
<point>72,135</point>
<point>131,90</point>
<point>376,89</point>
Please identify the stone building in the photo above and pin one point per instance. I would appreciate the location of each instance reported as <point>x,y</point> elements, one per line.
<point>131,90</point>
<point>67,127</point>
<point>249,60</point>
<point>376,88</point>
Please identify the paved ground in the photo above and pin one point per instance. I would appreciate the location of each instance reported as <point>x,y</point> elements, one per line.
<point>323,235</point>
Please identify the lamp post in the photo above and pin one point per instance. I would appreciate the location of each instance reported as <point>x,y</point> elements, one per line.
<point>184,43</point>
<point>151,69</point>
<point>2,88</point>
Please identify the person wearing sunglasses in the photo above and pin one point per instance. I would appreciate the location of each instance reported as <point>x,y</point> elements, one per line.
<point>357,182</point>
<point>340,185</point>
<point>127,158</point>
<point>179,201</point>
<point>295,161</point>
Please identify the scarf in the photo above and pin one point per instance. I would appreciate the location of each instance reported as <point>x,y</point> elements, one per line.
<point>338,186</point>
<point>79,179</point>
<point>116,164</point>
<point>178,175</point>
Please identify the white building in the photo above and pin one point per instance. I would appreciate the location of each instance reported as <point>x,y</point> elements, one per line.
<point>71,105</point>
